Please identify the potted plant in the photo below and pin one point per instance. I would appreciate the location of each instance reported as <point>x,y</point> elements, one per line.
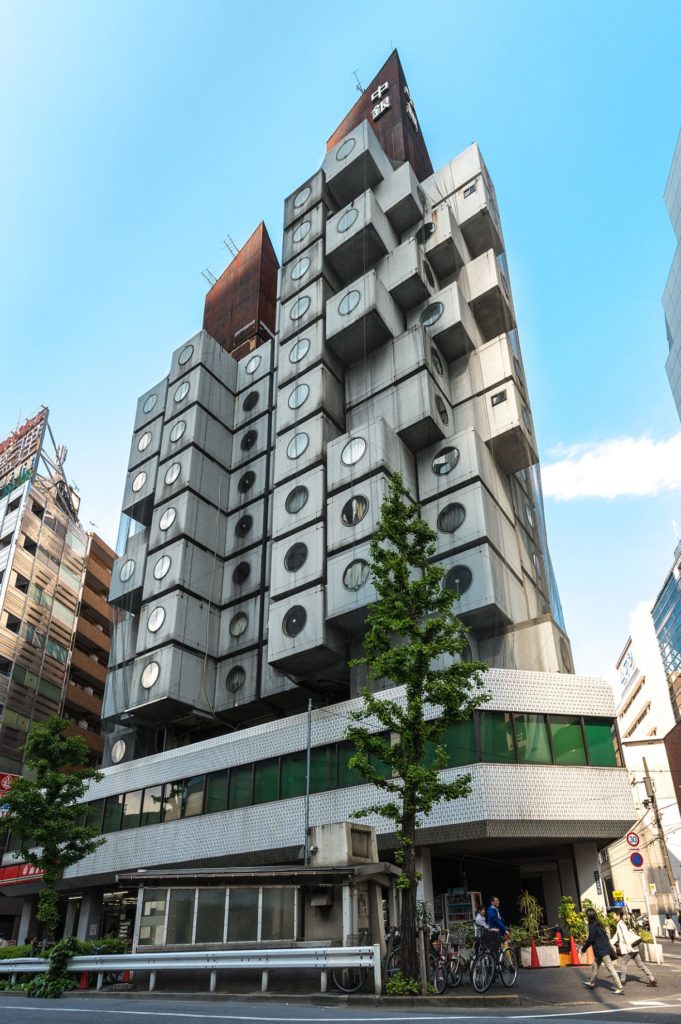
<point>531,917</point>
<point>650,950</point>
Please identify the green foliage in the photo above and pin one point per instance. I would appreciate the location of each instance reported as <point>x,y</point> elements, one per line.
<point>519,936</point>
<point>414,640</point>
<point>10,952</point>
<point>56,979</point>
<point>398,985</point>
<point>646,936</point>
<point>532,913</point>
<point>573,921</point>
<point>43,813</point>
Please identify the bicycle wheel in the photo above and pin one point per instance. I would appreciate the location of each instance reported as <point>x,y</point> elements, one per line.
<point>483,971</point>
<point>349,979</point>
<point>438,976</point>
<point>508,967</point>
<point>455,972</point>
<point>394,963</point>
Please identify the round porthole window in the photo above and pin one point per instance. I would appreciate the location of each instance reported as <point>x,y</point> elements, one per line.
<point>248,440</point>
<point>459,579</point>
<point>167,519</point>
<point>356,574</point>
<point>425,232</point>
<point>442,409</point>
<point>156,619</point>
<point>236,677</point>
<point>429,273</point>
<point>178,430</point>
<point>162,567</point>
<point>349,302</point>
<point>445,461</point>
<point>144,441</point>
<point>118,751</point>
<point>253,364</point>
<point>451,518</point>
<point>185,355</point>
<point>295,557</point>
<point>298,396</point>
<point>243,526</point>
<point>241,573</point>
<point>238,624</point>
<point>437,363</point>
<point>299,350</point>
<point>529,515</point>
<point>297,445</point>
<point>300,268</point>
<point>172,473</point>
<point>296,499</point>
<point>150,403</point>
<point>182,391</point>
<point>300,307</point>
<point>347,219</point>
<point>536,561</point>
<point>354,510</point>
<point>353,451</point>
<point>302,197</point>
<point>246,481</point>
<point>139,482</point>
<point>251,400</point>
<point>294,620</point>
<point>301,231</point>
<point>527,419</point>
<point>126,570</point>
<point>345,149</point>
<point>431,314</point>
<point>150,674</point>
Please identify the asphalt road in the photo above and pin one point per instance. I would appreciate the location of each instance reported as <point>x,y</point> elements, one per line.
<point>110,1010</point>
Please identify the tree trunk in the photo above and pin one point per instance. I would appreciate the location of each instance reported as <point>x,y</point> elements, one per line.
<point>408,922</point>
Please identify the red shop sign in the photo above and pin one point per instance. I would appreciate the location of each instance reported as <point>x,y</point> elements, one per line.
<point>15,874</point>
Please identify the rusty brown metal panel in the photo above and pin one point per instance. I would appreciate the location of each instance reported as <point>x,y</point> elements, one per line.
<point>398,132</point>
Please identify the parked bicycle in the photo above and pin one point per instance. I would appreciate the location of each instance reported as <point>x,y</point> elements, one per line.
<point>495,958</point>
<point>351,979</point>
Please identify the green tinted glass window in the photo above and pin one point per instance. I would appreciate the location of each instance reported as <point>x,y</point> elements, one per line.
<point>496,736</point>
<point>266,781</point>
<point>241,785</point>
<point>459,741</point>
<point>151,805</point>
<point>112,813</point>
<point>180,917</point>
<point>532,739</point>
<point>242,915</point>
<point>217,791</point>
<point>210,915</point>
<point>93,814</point>
<point>293,774</point>
<point>347,776</point>
<point>321,764</point>
<point>601,741</point>
<point>568,742</point>
<point>132,807</point>
<point>192,798</point>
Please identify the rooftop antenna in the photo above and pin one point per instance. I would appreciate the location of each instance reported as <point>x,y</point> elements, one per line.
<point>230,248</point>
<point>359,87</point>
<point>210,278</point>
<point>233,242</point>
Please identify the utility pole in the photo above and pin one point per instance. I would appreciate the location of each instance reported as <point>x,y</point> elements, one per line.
<point>652,802</point>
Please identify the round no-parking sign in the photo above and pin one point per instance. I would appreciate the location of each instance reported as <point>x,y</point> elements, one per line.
<point>636,860</point>
<point>632,839</point>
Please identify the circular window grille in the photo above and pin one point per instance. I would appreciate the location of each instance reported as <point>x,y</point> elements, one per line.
<point>253,364</point>
<point>241,573</point>
<point>144,441</point>
<point>354,510</point>
<point>356,574</point>
<point>167,519</point>
<point>451,518</point>
<point>529,515</point>
<point>172,473</point>
<point>349,302</point>
<point>300,268</point>
<point>298,396</point>
<point>459,579</point>
<point>150,674</point>
<point>347,219</point>
<point>445,461</point>
<point>118,751</point>
<point>302,197</point>
<point>431,314</point>
<point>126,570</point>
<point>437,363</point>
<point>243,526</point>
<point>296,499</point>
<point>536,561</point>
<point>238,624</point>
<point>251,400</point>
<point>150,403</point>
<point>246,482</point>
<point>353,451</point>
<point>300,307</point>
<point>345,149</point>
<point>429,273</point>
<point>442,410</point>
<point>294,620</point>
<point>301,231</point>
<point>299,350</point>
<point>182,392</point>
<point>186,354</point>
<point>297,445</point>
<point>178,430</point>
<point>156,619</point>
<point>527,419</point>
<point>248,440</point>
<point>295,557</point>
<point>162,567</point>
<point>236,677</point>
<point>139,482</point>
<point>425,232</point>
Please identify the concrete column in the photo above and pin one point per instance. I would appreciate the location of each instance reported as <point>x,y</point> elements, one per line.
<point>72,908</point>
<point>424,891</point>
<point>90,914</point>
<point>28,923</point>
<point>552,895</point>
<point>586,863</point>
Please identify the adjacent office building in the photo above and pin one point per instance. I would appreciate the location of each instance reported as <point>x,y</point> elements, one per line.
<point>671,299</point>
<point>386,341</point>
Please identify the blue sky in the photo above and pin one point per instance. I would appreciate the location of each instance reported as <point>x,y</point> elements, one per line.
<point>135,136</point>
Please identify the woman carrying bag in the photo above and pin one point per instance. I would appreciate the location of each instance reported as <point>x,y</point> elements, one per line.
<point>599,941</point>
<point>628,942</point>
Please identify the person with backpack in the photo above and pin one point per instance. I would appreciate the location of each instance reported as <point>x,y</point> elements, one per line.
<point>599,940</point>
<point>628,942</point>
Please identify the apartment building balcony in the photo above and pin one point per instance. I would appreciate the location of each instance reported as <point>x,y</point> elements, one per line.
<point>91,637</point>
<point>486,287</point>
<point>358,237</point>
<point>97,577</point>
<point>478,219</point>
<point>86,669</point>
<point>94,607</point>
<point>78,702</point>
<point>93,739</point>
<point>361,318</point>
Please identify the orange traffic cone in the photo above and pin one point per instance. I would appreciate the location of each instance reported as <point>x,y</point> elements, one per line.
<point>558,939</point>
<point>574,955</point>
<point>126,977</point>
<point>534,959</point>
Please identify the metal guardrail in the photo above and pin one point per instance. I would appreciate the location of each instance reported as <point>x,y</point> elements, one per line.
<point>324,959</point>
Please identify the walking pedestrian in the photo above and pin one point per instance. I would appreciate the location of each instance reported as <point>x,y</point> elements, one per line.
<point>599,940</point>
<point>669,927</point>
<point>628,942</point>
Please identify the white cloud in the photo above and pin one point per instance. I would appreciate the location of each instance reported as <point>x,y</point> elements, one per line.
<point>612,469</point>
